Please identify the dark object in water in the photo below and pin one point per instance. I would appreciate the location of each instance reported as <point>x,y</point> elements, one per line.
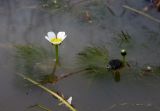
<point>116,64</point>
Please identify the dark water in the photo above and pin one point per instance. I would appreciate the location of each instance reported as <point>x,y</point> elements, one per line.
<point>25,22</point>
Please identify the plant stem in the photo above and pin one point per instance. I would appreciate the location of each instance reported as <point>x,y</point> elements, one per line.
<point>41,106</point>
<point>124,60</point>
<point>54,69</point>
<point>57,60</point>
<point>61,99</point>
<point>57,54</point>
<point>71,73</point>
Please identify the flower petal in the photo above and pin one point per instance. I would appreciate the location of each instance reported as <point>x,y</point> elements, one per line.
<point>61,35</point>
<point>51,35</point>
<point>46,37</point>
<point>69,100</point>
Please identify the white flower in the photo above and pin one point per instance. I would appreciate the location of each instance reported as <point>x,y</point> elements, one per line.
<point>56,40</point>
<point>69,100</point>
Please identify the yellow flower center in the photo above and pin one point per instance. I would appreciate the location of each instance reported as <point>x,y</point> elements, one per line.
<point>56,40</point>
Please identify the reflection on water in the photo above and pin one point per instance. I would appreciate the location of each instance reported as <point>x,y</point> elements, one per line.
<point>26,22</point>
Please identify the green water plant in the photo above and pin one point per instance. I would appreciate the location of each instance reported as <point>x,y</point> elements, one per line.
<point>28,56</point>
<point>94,60</point>
<point>124,37</point>
<point>38,63</point>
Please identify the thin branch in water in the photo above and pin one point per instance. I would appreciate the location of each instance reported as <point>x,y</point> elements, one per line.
<point>141,13</point>
<point>70,74</point>
<point>110,10</point>
<point>40,106</point>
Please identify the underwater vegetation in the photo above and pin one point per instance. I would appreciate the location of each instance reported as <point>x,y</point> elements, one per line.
<point>35,62</point>
<point>31,55</point>
<point>61,99</point>
<point>27,56</point>
<point>94,60</point>
<point>124,39</point>
<point>97,64</point>
<point>125,36</point>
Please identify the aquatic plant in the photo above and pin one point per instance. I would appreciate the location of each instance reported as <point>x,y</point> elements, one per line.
<point>27,56</point>
<point>35,62</point>
<point>38,63</point>
<point>94,60</point>
<point>56,40</point>
<point>124,38</point>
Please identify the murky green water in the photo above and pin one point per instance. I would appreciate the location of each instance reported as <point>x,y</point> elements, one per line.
<point>26,22</point>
